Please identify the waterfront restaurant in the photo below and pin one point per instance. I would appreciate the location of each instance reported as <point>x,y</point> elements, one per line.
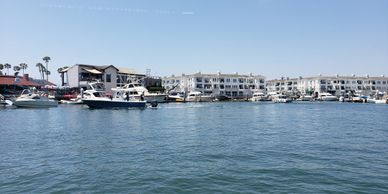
<point>219,84</point>
<point>11,86</point>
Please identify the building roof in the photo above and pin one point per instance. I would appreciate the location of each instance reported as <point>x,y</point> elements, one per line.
<point>130,71</point>
<point>22,81</point>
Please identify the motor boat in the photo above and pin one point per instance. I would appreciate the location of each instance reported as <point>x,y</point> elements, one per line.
<point>176,97</point>
<point>327,97</point>
<point>259,96</point>
<point>280,98</point>
<point>359,98</point>
<point>120,99</point>
<point>138,91</point>
<point>305,98</point>
<point>29,99</point>
<point>4,102</point>
<point>345,98</point>
<point>198,97</point>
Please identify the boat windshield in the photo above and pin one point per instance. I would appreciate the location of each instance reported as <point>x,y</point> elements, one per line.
<point>99,94</point>
<point>26,91</point>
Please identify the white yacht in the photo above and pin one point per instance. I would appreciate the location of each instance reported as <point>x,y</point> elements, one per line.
<point>97,98</point>
<point>327,97</point>
<point>305,98</point>
<point>198,97</point>
<point>259,96</point>
<point>29,99</point>
<point>137,91</point>
<point>176,97</point>
<point>280,98</point>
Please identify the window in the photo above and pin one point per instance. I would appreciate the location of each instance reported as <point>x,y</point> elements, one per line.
<point>108,78</point>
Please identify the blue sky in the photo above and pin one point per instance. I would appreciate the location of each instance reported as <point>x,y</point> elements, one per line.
<point>270,37</point>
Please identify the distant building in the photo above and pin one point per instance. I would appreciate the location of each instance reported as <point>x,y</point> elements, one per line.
<point>13,85</point>
<point>231,85</point>
<point>80,75</point>
<point>336,85</point>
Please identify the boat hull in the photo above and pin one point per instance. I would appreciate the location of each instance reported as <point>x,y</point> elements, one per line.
<point>200,99</point>
<point>258,99</point>
<point>329,98</point>
<point>114,104</point>
<point>157,98</point>
<point>30,103</point>
<point>282,100</point>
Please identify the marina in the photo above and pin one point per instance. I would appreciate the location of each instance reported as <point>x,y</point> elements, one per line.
<point>194,97</point>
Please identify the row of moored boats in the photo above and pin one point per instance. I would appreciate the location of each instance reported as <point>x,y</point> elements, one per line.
<point>137,96</point>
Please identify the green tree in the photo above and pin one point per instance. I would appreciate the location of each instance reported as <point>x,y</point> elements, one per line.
<point>7,66</point>
<point>23,66</point>
<point>1,69</point>
<point>40,67</point>
<point>47,59</point>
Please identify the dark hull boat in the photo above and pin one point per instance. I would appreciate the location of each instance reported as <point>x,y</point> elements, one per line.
<point>107,103</point>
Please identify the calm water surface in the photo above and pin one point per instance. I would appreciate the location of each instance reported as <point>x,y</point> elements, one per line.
<point>196,148</point>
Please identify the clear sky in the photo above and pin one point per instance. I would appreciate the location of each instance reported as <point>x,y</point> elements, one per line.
<point>269,37</point>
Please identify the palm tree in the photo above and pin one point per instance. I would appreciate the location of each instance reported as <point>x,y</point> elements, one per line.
<point>43,71</point>
<point>40,66</point>
<point>48,73</point>
<point>7,66</point>
<point>16,69</point>
<point>47,59</point>
<point>1,69</point>
<point>23,66</point>
<point>60,71</point>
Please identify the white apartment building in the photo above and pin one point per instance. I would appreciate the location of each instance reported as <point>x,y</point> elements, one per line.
<point>336,85</point>
<point>231,85</point>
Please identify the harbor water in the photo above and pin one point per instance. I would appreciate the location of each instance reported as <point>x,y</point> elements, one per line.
<point>235,147</point>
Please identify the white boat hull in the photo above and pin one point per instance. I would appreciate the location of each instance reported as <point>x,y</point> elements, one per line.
<point>329,98</point>
<point>259,99</point>
<point>34,103</point>
<point>199,99</point>
<point>381,101</point>
<point>281,100</point>
<point>160,98</point>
